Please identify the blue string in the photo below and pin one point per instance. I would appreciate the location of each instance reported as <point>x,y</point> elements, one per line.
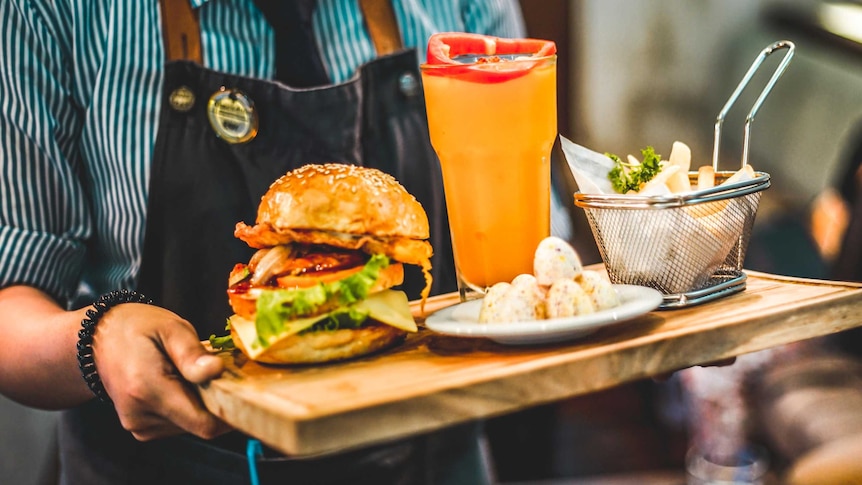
<point>253,451</point>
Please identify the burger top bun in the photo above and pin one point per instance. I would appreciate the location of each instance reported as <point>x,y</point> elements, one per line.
<point>343,198</point>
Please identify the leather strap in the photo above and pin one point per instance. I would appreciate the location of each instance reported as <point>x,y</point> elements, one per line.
<point>382,26</point>
<point>181,31</point>
<point>182,35</point>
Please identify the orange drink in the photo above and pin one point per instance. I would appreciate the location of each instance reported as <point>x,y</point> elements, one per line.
<point>493,122</point>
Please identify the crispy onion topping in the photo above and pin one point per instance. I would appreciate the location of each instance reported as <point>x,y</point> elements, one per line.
<point>270,263</point>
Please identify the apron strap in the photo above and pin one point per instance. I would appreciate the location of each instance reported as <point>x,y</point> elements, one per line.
<point>382,26</point>
<point>182,35</point>
<point>181,31</point>
<point>297,59</point>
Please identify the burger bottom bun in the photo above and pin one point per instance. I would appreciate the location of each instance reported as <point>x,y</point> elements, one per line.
<point>327,346</point>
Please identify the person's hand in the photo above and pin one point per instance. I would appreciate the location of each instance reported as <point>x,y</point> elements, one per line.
<point>148,359</point>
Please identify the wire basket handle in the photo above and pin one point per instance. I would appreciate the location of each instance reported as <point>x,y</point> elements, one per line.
<point>782,44</point>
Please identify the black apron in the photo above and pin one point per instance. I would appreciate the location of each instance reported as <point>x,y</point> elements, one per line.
<point>200,187</point>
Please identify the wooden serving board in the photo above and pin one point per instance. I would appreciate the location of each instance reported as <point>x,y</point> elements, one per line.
<point>432,381</point>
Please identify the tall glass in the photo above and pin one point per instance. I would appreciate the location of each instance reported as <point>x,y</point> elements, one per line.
<point>493,135</point>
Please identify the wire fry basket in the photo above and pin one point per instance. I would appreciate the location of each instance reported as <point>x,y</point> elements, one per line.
<point>691,246</point>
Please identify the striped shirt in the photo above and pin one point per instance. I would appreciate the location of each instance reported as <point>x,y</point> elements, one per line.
<point>80,82</point>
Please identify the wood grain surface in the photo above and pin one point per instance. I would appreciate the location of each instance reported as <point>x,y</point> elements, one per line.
<point>432,381</point>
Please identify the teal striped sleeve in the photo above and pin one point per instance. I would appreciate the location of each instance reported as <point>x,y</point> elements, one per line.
<point>501,18</point>
<point>43,217</point>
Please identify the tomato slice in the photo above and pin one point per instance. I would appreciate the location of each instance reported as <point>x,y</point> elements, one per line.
<point>444,49</point>
<point>311,279</point>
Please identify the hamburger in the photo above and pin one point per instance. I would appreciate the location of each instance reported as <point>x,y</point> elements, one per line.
<point>331,242</point>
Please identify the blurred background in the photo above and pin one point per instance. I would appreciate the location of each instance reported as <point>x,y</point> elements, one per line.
<point>649,72</point>
<point>637,73</point>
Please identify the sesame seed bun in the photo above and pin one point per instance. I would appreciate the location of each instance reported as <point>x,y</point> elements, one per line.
<point>345,199</point>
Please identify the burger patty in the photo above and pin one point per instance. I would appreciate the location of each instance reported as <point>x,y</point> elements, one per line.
<point>300,259</point>
<point>319,262</point>
<point>267,266</point>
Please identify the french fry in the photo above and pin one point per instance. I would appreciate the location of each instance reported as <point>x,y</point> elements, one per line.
<point>718,206</point>
<point>743,173</point>
<point>661,179</point>
<point>705,177</point>
<point>679,183</point>
<point>680,156</point>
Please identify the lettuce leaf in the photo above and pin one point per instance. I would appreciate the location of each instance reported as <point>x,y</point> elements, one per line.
<point>222,343</point>
<point>276,307</point>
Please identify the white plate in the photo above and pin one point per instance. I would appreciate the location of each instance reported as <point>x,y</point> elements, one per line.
<point>462,320</point>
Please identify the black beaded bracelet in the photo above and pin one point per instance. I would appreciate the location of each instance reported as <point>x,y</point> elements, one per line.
<point>85,336</point>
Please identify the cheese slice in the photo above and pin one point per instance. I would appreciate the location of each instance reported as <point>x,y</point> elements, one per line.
<point>389,307</point>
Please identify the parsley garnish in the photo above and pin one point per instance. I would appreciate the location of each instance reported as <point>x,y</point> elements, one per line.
<point>626,177</point>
